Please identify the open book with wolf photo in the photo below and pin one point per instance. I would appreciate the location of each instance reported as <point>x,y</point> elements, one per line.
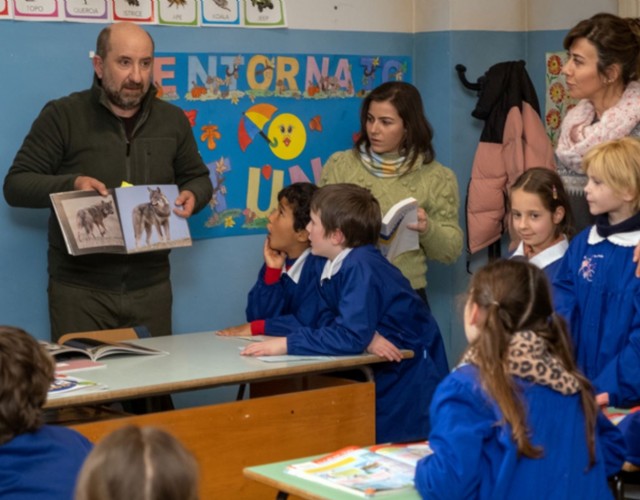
<point>128,220</point>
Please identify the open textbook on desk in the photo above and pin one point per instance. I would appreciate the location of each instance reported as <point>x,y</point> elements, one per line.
<point>94,349</point>
<point>365,472</point>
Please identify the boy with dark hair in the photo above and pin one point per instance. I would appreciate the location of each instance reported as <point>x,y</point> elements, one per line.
<point>284,296</point>
<point>36,461</point>
<point>373,308</point>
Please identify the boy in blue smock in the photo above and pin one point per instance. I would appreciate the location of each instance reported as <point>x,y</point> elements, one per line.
<point>284,296</point>
<point>373,307</point>
<point>595,288</point>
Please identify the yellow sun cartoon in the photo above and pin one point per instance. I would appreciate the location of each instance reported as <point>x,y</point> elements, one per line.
<point>288,136</point>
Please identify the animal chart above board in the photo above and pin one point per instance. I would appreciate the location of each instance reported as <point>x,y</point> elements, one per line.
<point>263,121</point>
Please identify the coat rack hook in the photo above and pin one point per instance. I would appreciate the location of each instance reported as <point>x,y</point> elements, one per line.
<point>462,69</point>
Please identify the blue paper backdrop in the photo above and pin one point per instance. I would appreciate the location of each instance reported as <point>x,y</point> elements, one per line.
<point>262,121</point>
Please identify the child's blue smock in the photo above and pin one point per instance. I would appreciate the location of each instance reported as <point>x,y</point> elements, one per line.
<point>365,294</point>
<point>475,457</point>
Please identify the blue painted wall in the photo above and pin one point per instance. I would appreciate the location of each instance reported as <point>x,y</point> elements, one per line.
<point>42,61</point>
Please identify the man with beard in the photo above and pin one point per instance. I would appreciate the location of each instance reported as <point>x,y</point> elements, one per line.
<point>94,140</point>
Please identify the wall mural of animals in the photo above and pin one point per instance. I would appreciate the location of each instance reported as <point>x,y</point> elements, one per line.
<point>90,218</point>
<point>154,214</point>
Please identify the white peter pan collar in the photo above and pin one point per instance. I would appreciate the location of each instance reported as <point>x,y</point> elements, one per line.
<point>332,267</point>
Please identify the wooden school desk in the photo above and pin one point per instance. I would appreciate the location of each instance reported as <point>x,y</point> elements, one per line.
<point>273,475</point>
<point>327,414</point>
<point>194,361</point>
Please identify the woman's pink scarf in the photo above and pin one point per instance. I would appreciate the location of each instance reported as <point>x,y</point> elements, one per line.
<point>579,133</point>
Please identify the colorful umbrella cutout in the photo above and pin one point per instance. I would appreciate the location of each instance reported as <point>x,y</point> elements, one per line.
<point>252,122</point>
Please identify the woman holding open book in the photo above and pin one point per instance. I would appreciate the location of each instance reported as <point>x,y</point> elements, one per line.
<point>394,158</point>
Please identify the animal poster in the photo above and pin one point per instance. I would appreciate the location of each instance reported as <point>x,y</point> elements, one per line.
<point>128,220</point>
<point>264,13</point>
<point>138,11</point>
<point>263,121</point>
<point>96,11</point>
<point>178,12</point>
<point>37,10</point>
<point>220,13</point>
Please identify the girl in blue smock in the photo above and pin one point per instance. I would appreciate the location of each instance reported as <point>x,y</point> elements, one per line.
<point>516,419</point>
<point>541,218</point>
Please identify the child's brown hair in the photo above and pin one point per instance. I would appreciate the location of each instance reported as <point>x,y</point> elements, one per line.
<point>351,209</point>
<point>516,297</point>
<point>26,374</point>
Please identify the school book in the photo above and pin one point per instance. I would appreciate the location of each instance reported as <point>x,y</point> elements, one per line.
<point>365,472</point>
<point>395,236</point>
<point>63,384</point>
<point>77,364</point>
<point>128,220</point>
<point>94,349</point>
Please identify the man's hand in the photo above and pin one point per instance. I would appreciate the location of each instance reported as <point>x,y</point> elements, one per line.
<point>186,200</point>
<point>271,347</point>
<point>84,183</point>
<point>236,331</point>
<point>272,258</point>
<point>383,348</point>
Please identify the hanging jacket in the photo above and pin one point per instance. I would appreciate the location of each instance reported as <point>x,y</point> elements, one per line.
<point>513,140</point>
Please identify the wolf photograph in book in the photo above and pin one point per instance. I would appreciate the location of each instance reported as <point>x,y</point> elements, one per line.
<point>96,221</point>
<point>128,220</point>
<point>152,215</point>
<point>91,218</point>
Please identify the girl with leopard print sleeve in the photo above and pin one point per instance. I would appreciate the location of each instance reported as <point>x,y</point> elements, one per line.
<point>516,418</point>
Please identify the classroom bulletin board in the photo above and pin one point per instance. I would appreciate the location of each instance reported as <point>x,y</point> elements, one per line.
<point>263,121</point>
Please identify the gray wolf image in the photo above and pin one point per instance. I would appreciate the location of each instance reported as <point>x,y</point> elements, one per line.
<point>92,217</point>
<point>156,214</point>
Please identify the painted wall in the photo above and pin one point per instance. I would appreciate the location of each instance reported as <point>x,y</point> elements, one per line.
<point>42,61</point>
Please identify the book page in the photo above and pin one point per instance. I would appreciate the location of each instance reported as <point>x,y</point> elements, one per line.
<point>89,222</point>
<point>358,470</point>
<point>395,237</point>
<point>148,220</point>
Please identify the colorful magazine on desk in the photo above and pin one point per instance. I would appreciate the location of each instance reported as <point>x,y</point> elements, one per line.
<point>128,220</point>
<point>365,472</point>
<point>94,349</point>
<point>395,236</point>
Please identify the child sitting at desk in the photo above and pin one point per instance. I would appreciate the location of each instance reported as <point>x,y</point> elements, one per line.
<point>36,461</point>
<point>284,297</point>
<point>370,301</point>
<point>517,419</point>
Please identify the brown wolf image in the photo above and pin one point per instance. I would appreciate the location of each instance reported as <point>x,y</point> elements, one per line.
<point>92,217</point>
<point>156,214</point>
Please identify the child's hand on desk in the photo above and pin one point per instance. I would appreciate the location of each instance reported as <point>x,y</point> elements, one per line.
<point>272,258</point>
<point>271,347</point>
<point>236,331</point>
<point>383,348</point>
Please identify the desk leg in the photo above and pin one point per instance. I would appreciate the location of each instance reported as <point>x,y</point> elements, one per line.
<point>241,389</point>
<point>282,495</point>
<point>368,373</point>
